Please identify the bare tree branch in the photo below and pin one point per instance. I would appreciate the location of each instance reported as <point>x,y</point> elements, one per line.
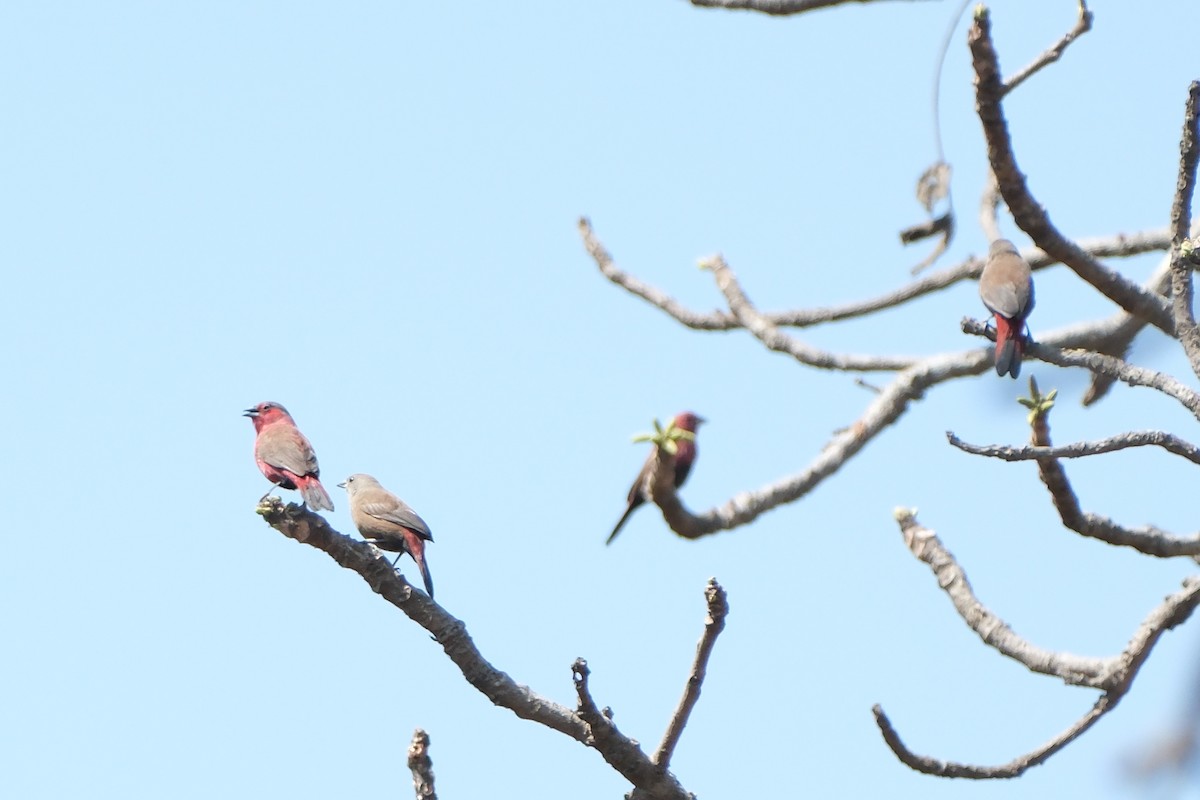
<point>1117,343</point>
<point>1106,365</point>
<point>1146,539</point>
<point>995,633</point>
<point>1120,245</point>
<point>1114,676</point>
<point>888,405</point>
<point>421,766</point>
<point>1082,25</point>
<point>885,408</point>
<point>778,8</point>
<point>591,729</point>
<point>718,609</point>
<point>1181,220</point>
<point>1013,769</point>
<point>776,340</point>
<point>1167,441</point>
<point>1029,215</point>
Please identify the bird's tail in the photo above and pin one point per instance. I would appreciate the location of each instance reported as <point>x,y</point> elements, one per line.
<point>1010,344</point>
<point>315,495</point>
<point>621,523</point>
<point>416,549</point>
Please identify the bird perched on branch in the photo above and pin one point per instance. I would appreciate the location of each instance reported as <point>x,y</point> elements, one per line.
<point>388,522</point>
<point>285,456</point>
<point>685,456</point>
<point>1006,288</point>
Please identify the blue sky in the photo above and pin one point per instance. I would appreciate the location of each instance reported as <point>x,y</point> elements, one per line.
<point>368,214</point>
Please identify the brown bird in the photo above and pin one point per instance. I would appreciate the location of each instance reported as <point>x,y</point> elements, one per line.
<point>685,456</point>
<point>285,456</point>
<point>1006,288</point>
<point>388,522</point>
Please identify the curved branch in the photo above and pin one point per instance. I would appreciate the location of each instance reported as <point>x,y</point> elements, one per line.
<point>887,406</point>
<point>1146,539</point>
<point>1029,215</point>
<point>1013,769</point>
<point>1120,245</point>
<point>622,753</point>
<point>1114,676</point>
<point>1082,25</point>
<point>776,340</point>
<point>995,633</point>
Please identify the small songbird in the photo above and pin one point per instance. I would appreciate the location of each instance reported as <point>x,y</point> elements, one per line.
<point>684,457</point>
<point>285,456</point>
<point>1006,288</point>
<point>388,522</point>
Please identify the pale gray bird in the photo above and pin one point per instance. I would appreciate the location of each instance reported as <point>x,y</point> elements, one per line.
<point>1006,288</point>
<point>388,522</point>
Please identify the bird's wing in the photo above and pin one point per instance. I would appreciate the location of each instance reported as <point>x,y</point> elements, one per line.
<point>286,448</point>
<point>401,515</point>
<point>1005,301</point>
<point>1010,291</point>
<point>636,494</point>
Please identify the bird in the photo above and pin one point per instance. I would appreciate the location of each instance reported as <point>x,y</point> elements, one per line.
<point>285,456</point>
<point>388,522</point>
<point>1006,288</point>
<point>685,455</point>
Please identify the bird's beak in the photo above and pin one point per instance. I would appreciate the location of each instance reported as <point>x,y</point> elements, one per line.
<point>700,420</point>
<point>342,485</point>
<point>250,412</point>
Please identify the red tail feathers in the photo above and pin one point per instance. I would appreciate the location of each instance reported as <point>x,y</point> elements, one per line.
<point>1010,346</point>
<point>315,495</point>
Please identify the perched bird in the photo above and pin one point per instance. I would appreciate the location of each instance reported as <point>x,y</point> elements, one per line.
<point>684,456</point>
<point>388,522</point>
<point>1006,288</point>
<point>285,456</point>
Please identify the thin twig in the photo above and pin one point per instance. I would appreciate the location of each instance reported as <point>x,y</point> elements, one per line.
<point>1082,25</point>
<point>1167,441</point>
<point>714,623</point>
